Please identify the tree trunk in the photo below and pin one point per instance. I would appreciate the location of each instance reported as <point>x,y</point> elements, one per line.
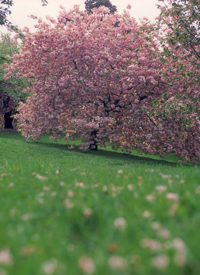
<point>93,141</point>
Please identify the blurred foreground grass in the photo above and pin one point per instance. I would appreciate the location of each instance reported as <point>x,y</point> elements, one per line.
<point>67,212</point>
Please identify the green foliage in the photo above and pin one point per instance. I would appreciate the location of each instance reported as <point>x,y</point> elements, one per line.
<point>7,48</point>
<point>182,18</point>
<point>14,86</point>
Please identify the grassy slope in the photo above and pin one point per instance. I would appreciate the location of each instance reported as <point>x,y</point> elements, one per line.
<point>38,227</point>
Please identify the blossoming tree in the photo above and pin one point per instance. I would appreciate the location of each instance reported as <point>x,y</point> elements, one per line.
<point>96,75</point>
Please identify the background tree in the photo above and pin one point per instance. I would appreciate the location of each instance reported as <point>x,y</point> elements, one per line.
<point>181,20</point>
<point>177,31</point>
<point>5,10</point>
<point>91,4</point>
<point>10,90</point>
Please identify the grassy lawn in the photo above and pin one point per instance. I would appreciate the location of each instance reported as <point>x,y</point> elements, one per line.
<point>67,212</point>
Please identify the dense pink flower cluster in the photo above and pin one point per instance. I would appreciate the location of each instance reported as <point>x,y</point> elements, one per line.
<point>99,77</point>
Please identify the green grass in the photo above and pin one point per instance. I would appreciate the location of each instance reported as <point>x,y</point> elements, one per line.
<point>46,187</point>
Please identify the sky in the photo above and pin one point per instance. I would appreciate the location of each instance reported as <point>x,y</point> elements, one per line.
<point>23,8</point>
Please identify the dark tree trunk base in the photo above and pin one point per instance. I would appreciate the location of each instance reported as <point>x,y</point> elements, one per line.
<point>93,147</point>
<point>8,120</point>
<point>93,141</point>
